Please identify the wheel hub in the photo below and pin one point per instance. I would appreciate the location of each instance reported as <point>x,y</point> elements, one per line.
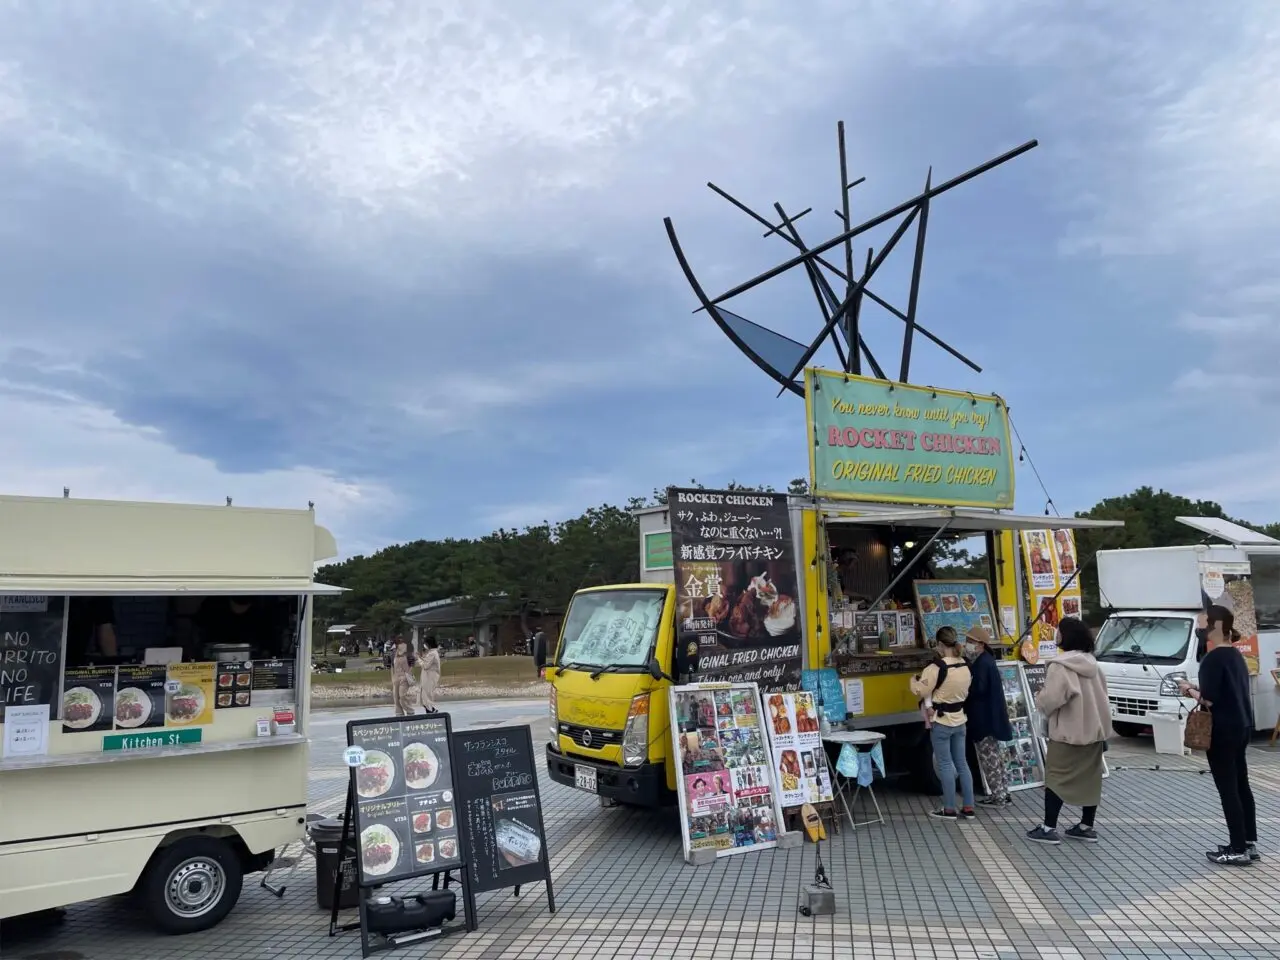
<point>195,886</point>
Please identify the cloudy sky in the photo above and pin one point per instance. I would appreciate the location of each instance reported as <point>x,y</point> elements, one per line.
<point>407,259</point>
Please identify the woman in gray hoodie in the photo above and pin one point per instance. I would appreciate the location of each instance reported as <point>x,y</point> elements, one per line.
<point>1074,702</point>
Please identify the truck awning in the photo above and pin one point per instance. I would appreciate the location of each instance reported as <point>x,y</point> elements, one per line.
<point>145,586</point>
<point>968,520</point>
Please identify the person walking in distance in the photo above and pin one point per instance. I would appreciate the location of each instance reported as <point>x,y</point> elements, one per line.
<point>429,675</point>
<point>1074,704</point>
<point>402,678</point>
<point>944,685</point>
<point>988,715</point>
<point>1224,691</point>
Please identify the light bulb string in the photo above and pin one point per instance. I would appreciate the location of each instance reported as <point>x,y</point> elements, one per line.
<point>1025,454</point>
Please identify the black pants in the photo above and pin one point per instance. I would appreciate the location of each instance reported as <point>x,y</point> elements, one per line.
<point>1053,807</point>
<point>1230,769</point>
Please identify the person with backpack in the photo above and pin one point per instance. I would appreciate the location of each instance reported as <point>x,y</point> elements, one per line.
<point>1075,706</point>
<point>1224,687</point>
<point>988,714</point>
<point>943,686</point>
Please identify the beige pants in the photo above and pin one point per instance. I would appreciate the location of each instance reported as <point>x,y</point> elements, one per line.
<point>402,695</point>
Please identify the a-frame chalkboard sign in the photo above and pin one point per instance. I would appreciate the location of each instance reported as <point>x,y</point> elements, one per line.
<point>403,815</point>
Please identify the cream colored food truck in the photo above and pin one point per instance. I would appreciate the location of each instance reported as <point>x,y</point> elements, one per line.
<point>154,668</point>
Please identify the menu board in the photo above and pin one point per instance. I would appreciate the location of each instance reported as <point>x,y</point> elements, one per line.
<point>140,697</point>
<point>405,816</point>
<point>188,689</point>
<point>796,743</point>
<point>272,683</point>
<point>500,807</point>
<point>827,689</point>
<point>728,796</point>
<point>88,699</point>
<point>31,631</point>
<point>234,685</point>
<point>1023,756</point>
<point>736,588</point>
<point>1052,564</point>
<point>959,604</point>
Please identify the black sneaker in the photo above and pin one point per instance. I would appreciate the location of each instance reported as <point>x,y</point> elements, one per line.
<point>1251,849</point>
<point>996,801</point>
<point>944,814</point>
<point>1042,835</point>
<point>1225,858</point>
<point>1082,833</point>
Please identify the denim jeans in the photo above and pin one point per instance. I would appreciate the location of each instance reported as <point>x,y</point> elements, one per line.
<point>948,750</point>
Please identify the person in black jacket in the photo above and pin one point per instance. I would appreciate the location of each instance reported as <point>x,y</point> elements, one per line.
<point>988,716</point>
<point>1224,690</point>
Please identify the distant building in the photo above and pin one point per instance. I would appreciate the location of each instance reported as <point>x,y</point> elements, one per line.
<point>496,630</point>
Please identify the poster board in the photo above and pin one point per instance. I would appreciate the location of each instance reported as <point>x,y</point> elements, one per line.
<point>1051,562</point>
<point>402,814</point>
<point>738,607</point>
<point>500,809</point>
<point>795,742</point>
<point>726,786</point>
<point>1023,756</point>
<point>959,604</point>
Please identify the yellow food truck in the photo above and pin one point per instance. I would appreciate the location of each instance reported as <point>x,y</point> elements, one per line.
<point>743,586</point>
<point>154,670</point>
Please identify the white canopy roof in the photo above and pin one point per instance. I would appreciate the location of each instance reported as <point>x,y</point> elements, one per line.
<point>970,520</point>
<point>1232,533</point>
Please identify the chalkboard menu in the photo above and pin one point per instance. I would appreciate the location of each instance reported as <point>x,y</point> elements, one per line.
<point>501,808</point>
<point>405,817</point>
<point>31,630</point>
<point>1035,675</point>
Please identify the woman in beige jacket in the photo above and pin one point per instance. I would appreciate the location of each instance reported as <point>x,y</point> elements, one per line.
<point>1074,702</point>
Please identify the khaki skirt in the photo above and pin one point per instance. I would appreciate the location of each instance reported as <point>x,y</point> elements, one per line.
<point>1075,772</point>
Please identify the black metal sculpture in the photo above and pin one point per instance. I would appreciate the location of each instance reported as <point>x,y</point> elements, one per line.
<point>787,358</point>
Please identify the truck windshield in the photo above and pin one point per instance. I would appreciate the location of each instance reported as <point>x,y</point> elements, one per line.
<point>611,628</point>
<point>1144,640</point>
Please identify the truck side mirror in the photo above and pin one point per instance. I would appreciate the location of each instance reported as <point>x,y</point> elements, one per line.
<point>655,670</point>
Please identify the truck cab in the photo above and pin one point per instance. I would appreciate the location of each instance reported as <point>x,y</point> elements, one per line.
<point>609,717</point>
<point>1144,654</point>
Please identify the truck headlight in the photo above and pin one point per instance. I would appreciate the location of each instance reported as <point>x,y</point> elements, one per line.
<point>1169,683</point>
<point>555,719</point>
<point>635,736</point>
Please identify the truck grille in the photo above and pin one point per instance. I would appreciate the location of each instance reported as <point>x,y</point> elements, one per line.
<point>593,738</point>
<point>1134,706</point>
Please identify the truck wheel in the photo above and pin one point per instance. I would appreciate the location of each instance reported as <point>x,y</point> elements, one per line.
<point>1128,729</point>
<point>192,885</point>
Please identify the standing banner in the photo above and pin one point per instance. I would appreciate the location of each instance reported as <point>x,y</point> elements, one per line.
<point>735,576</point>
<point>728,795</point>
<point>1230,585</point>
<point>796,742</point>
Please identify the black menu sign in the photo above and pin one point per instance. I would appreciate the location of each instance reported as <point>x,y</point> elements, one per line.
<point>270,683</point>
<point>233,684</point>
<point>1035,674</point>
<point>31,631</point>
<point>139,696</point>
<point>88,699</point>
<point>405,818</point>
<point>501,808</point>
<point>738,600</point>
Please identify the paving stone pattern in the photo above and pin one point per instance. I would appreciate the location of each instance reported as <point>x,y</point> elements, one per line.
<point>912,888</point>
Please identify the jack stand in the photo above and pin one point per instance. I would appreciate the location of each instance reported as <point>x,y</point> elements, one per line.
<point>817,899</point>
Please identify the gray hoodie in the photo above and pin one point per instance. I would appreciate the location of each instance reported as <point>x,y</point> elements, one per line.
<point>1074,700</point>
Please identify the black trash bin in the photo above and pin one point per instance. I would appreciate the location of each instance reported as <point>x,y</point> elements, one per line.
<point>327,836</point>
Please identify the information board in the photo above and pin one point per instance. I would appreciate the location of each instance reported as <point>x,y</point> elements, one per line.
<point>406,821</point>
<point>728,793</point>
<point>500,808</point>
<point>31,634</point>
<point>959,604</point>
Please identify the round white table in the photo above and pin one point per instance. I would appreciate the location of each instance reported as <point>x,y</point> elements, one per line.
<point>863,741</point>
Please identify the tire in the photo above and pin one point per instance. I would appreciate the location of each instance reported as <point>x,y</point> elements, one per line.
<point>192,885</point>
<point>1123,729</point>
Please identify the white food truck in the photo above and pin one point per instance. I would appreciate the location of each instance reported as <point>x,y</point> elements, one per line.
<point>1149,643</point>
<point>153,700</point>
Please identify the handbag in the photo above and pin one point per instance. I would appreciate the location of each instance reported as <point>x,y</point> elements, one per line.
<point>1199,732</point>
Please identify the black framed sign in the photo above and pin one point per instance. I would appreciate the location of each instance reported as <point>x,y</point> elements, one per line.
<point>31,634</point>
<point>501,807</point>
<point>402,815</point>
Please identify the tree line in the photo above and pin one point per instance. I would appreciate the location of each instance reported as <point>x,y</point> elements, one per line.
<point>539,568</point>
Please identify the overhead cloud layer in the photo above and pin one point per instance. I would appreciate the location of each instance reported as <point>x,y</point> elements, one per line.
<point>407,261</point>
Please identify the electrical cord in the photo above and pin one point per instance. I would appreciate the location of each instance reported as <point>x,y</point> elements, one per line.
<point>1025,454</point>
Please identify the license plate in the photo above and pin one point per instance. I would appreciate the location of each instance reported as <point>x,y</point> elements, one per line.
<point>584,778</point>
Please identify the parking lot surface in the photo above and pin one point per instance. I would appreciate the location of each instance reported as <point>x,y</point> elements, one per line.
<point>911,888</point>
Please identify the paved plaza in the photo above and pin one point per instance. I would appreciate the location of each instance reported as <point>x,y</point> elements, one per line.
<point>912,888</point>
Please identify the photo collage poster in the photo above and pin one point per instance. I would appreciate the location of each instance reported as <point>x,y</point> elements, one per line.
<point>1023,756</point>
<point>1051,560</point>
<point>796,741</point>
<point>959,604</point>
<point>728,796</point>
